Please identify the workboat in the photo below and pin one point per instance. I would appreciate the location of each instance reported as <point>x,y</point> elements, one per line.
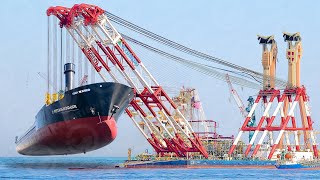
<point>298,165</point>
<point>297,160</point>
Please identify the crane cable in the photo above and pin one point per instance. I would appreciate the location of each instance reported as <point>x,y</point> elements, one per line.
<point>55,55</point>
<point>205,69</point>
<point>187,50</point>
<point>48,98</point>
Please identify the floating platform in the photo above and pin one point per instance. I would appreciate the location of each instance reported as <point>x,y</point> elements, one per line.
<point>248,164</point>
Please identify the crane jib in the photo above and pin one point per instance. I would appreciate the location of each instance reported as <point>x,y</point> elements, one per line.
<point>127,52</point>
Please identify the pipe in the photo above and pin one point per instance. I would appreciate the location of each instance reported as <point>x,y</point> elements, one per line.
<point>69,71</point>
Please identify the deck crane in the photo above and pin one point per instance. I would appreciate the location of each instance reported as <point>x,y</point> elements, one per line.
<point>244,111</point>
<point>236,97</point>
<point>96,36</point>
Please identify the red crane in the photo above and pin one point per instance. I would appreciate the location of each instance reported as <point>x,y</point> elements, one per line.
<point>96,36</point>
<point>236,97</point>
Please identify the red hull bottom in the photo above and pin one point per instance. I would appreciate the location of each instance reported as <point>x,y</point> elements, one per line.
<point>70,137</point>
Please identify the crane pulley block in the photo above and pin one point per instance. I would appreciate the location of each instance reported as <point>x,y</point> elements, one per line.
<point>266,39</point>
<point>291,36</point>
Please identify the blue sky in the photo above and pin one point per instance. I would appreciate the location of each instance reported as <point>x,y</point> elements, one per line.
<point>225,29</point>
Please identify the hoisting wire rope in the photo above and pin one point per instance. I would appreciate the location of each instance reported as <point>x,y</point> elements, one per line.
<point>86,63</point>
<point>201,68</point>
<point>173,69</point>
<point>61,59</point>
<point>280,83</point>
<point>79,66</point>
<point>205,69</point>
<point>68,59</point>
<point>49,57</point>
<point>55,55</point>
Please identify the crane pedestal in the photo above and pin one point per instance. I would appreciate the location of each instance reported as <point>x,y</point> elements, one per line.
<point>295,97</point>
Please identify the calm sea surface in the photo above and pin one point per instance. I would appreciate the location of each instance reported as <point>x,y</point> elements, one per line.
<point>67,167</point>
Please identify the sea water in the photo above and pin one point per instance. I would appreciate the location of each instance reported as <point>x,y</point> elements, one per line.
<point>68,167</point>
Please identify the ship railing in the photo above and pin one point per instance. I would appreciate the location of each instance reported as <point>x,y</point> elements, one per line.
<point>302,162</point>
<point>306,162</point>
<point>26,133</point>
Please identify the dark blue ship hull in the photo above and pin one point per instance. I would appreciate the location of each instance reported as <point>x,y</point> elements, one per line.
<point>84,120</point>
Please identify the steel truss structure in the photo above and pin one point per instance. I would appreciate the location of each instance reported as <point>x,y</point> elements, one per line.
<point>109,53</point>
<point>285,101</point>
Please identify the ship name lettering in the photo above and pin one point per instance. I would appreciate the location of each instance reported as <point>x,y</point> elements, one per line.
<point>64,109</point>
<point>80,91</point>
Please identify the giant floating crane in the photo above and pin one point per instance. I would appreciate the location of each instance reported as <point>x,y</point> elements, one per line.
<point>91,29</point>
<point>96,36</point>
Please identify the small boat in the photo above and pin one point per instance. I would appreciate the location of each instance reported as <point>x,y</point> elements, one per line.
<point>298,165</point>
<point>297,160</point>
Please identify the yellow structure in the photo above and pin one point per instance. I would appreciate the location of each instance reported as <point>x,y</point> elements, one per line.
<point>294,54</point>
<point>48,99</point>
<point>54,97</point>
<point>129,154</point>
<point>269,59</point>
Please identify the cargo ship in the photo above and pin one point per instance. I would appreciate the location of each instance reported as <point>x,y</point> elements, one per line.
<point>83,120</point>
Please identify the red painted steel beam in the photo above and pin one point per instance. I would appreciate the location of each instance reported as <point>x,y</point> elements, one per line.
<point>61,13</point>
<point>90,13</point>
